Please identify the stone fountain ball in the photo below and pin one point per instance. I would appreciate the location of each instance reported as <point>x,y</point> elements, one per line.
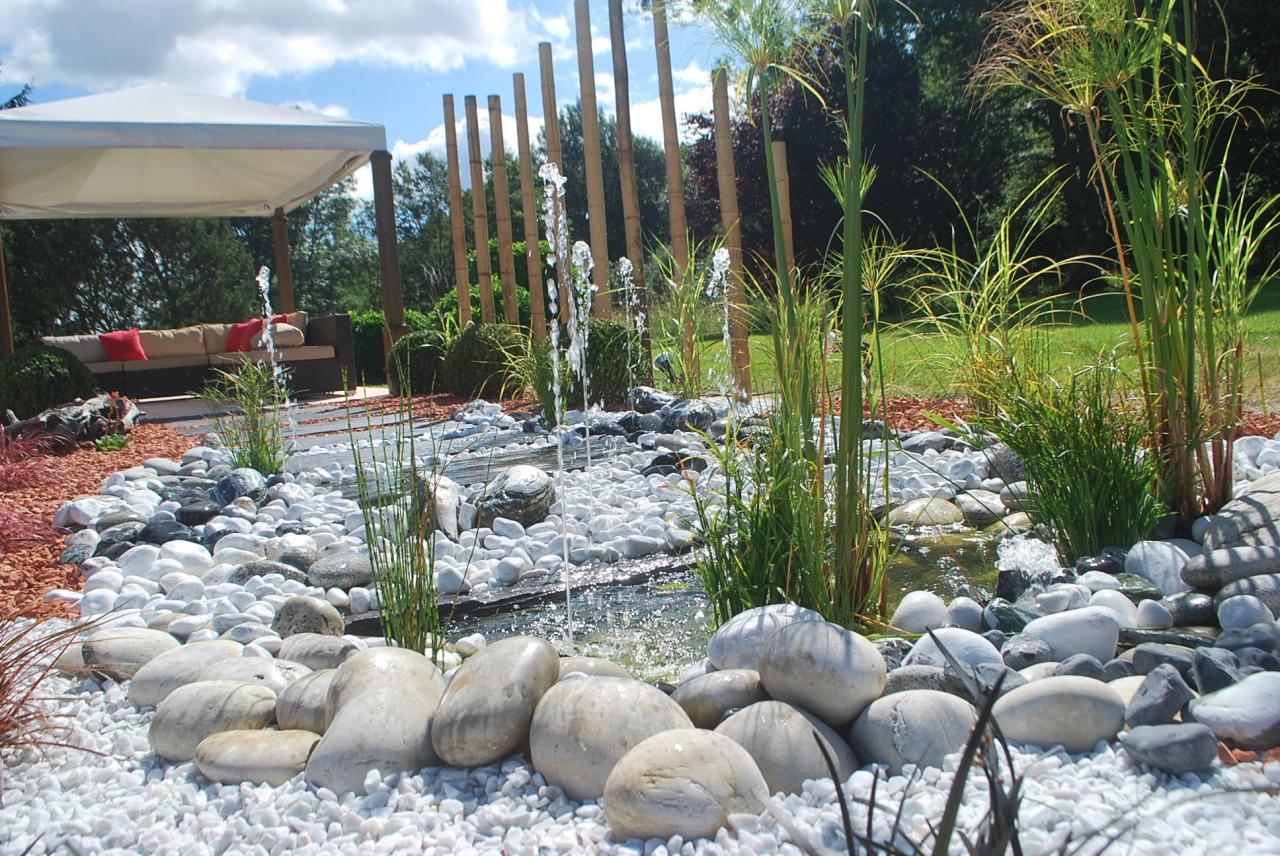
<point>523,493</point>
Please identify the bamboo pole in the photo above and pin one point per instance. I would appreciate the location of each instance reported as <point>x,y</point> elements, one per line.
<point>6,319</point>
<point>457,219</point>
<point>384,211</point>
<point>551,131</point>
<point>784,200</point>
<point>480,214</point>
<point>532,257</point>
<point>502,212</point>
<point>670,137</point>
<point>595,170</point>
<point>284,269</point>
<point>627,169</point>
<point>731,223</point>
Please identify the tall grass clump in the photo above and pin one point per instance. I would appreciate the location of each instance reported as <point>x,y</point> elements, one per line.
<point>397,492</point>
<point>247,404</point>
<point>1190,241</point>
<point>683,324</point>
<point>1083,443</point>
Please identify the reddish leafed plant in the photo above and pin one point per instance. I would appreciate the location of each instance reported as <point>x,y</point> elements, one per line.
<point>24,462</point>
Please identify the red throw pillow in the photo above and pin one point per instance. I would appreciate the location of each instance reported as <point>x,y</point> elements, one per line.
<point>280,318</point>
<point>122,346</point>
<point>240,336</point>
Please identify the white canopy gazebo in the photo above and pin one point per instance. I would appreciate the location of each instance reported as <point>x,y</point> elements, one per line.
<point>156,151</point>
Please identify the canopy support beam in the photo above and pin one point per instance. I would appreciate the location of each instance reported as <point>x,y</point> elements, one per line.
<point>384,210</point>
<point>284,268</point>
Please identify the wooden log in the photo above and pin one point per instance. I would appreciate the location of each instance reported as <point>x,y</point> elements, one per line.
<point>532,256</point>
<point>730,221</point>
<point>595,169</point>
<point>6,320</point>
<point>79,420</point>
<point>784,200</point>
<point>551,131</point>
<point>670,137</point>
<point>457,219</point>
<point>502,212</point>
<point>627,170</point>
<point>384,210</point>
<point>284,269</point>
<point>480,214</point>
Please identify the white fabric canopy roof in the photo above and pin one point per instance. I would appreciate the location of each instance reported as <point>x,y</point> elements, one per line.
<point>156,151</point>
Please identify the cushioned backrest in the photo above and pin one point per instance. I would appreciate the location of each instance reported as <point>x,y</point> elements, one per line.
<point>284,335</point>
<point>181,342</point>
<point>299,319</point>
<point>87,348</point>
<point>215,338</point>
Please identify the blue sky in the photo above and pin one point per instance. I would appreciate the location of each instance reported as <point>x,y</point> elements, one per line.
<point>386,61</point>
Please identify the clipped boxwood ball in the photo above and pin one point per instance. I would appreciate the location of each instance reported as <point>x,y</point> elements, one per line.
<point>608,353</point>
<point>38,377</point>
<point>482,362</point>
<point>419,358</point>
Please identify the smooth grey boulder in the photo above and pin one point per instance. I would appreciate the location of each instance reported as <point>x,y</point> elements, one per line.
<point>379,712</point>
<point>306,614</point>
<point>919,611</point>
<point>1215,568</point>
<point>443,496</point>
<point>684,782</point>
<point>779,738</point>
<point>192,712</point>
<point>270,673</point>
<point>241,481</point>
<point>1160,697</point>
<point>1175,749</point>
<point>317,651</point>
<point>592,666</point>
<point>737,642</point>
<point>1249,520</point>
<point>918,727</point>
<point>1092,630</point>
<point>1265,587</point>
<point>583,726</point>
<point>1243,610</point>
<point>969,649</point>
<point>256,757</point>
<point>980,507</point>
<point>343,570</point>
<point>119,652</point>
<point>302,704</point>
<point>1149,655</point>
<point>707,698</point>
<point>177,667</point>
<point>523,493</point>
<point>1161,562</point>
<point>1022,651</point>
<point>1246,714</point>
<point>925,511</point>
<point>647,399</point>
<point>823,668</point>
<point>920,677</point>
<point>1214,669</point>
<point>261,568</point>
<point>1191,609</point>
<point>1073,712</point>
<point>1083,665</point>
<point>485,713</point>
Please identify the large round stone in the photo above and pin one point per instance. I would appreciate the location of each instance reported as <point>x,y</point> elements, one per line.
<point>592,666</point>
<point>191,713</point>
<point>1065,710</point>
<point>302,704</point>
<point>918,727</point>
<point>736,644</point>
<point>1094,630</point>
<point>967,647</point>
<point>707,698</point>
<point>1265,587</point>
<point>823,668</point>
<point>523,493</point>
<point>178,667</point>
<point>925,511</point>
<point>317,651</point>
<point>1250,520</point>
<point>241,481</point>
<point>257,757</point>
<point>342,570</point>
<point>780,738</point>
<point>485,713</point>
<point>919,611</point>
<point>583,726</point>
<point>684,782</point>
<point>119,652</point>
<point>1246,714</point>
<point>379,714</point>
<point>1161,562</point>
<point>273,674</point>
<point>305,614</point>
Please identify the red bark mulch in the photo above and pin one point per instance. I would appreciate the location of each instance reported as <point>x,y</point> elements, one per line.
<point>29,545</point>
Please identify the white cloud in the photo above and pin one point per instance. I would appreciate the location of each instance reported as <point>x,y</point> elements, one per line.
<point>692,86</point>
<point>337,111</point>
<point>220,45</point>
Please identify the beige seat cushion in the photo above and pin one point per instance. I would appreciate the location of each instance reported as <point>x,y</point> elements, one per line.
<point>102,366</point>
<point>215,337</point>
<point>179,342</point>
<point>193,361</point>
<point>298,319</point>
<point>286,355</point>
<point>87,348</point>
<point>285,335</point>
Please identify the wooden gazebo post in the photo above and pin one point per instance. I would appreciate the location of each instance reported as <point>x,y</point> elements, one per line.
<point>284,268</point>
<point>502,212</point>
<point>731,223</point>
<point>532,256</point>
<point>480,211</point>
<point>384,210</point>
<point>595,170</point>
<point>457,220</point>
<point>670,137</point>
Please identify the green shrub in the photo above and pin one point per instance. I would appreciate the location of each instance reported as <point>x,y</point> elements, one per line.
<point>443,314</point>
<point>38,377</point>
<point>607,357</point>
<point>480,363</point>
<point>247,405</point>
<point>366,335</point>
<point>419,357</point>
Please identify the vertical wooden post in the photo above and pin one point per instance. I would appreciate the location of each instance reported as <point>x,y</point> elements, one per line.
<point>457,220</point>
<point>670,137</point>
<point>731,223</point>
<point>6,319</point>
<point>595,170</point>
<point>784,199</point>
<point>480,214</point>
<point>502,212</point>
<point>384,211</point>
<point>551,130</point>
<point>532,257</point>
<point>627,167</point>
<point>284,269</point>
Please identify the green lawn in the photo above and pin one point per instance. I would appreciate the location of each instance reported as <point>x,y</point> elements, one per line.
<point>923,364</point>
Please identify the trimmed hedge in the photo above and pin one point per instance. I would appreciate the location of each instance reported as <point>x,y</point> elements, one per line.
<point>443,314</point>
<point>607,356</point>
<point>420,356</point>
<point>482,361</point>
<point>38,377</point>
<point>366,333</point>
